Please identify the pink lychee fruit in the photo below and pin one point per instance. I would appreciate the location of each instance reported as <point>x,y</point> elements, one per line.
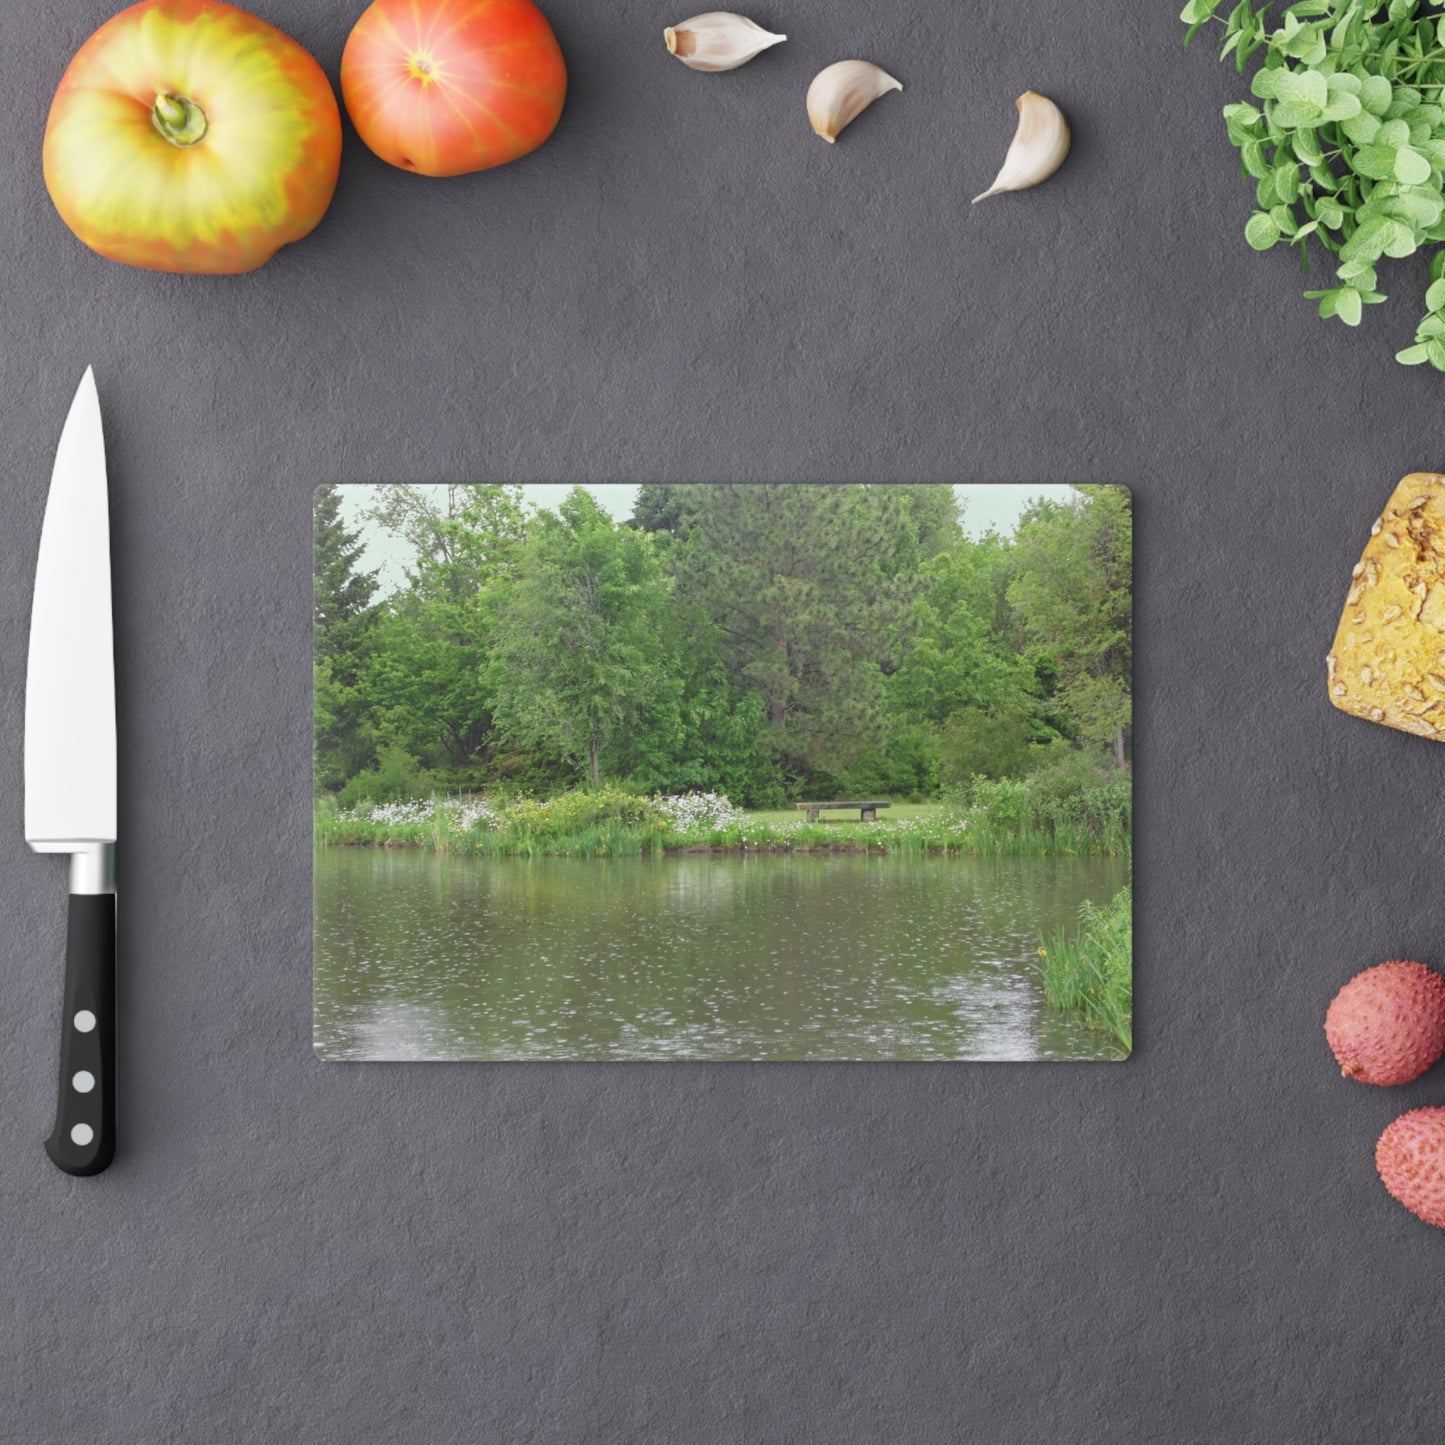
<point>1411,1159</point>
<point>1387,1024</point>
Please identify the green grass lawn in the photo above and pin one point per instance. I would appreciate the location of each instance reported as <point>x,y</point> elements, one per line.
<point>897,812</point>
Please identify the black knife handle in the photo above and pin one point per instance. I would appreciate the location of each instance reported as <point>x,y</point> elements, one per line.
<point>84,1138</point>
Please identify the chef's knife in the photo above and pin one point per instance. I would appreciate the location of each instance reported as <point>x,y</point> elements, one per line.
<point>70,774</point>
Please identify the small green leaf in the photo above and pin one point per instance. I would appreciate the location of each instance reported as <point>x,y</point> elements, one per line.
<point>1260,231</point>
<point>1328,213</point>
<point>1403,99</point>
<point>1413,355</point>
<point>1307,86</point>
<point>1400,241</point>
<point>1293,114</point>
<point>1435,296</point>
<point>1362,129</point>
<point>1436,350</point>
<point>1286,182</point>
<point>1264,82</point>
<point>1368,242</point>
<point>1348,306</point>
<point>1251,155</point>
<point>1198,10</point>
<point>1411,168</point>
<point>1375,94</point>
<point>1375,161</point>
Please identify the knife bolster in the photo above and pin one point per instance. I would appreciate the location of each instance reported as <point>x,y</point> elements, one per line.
<point>92,868</point>
<point>92,863</point>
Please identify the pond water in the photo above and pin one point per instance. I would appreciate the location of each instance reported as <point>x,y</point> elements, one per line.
<point>801,956</point>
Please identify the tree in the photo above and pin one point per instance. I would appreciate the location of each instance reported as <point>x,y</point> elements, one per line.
<point>963,675</point>
<point>660,507</point>
<point>916,522</point>
<point>427,682</point>
<point>791,578</point>
<point>341,619</point>
<point>1073,596</point>
<point>456,524</point>
<point>578,664</point>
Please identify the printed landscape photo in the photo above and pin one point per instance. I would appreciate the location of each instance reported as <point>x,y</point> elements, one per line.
<point>688,771</point>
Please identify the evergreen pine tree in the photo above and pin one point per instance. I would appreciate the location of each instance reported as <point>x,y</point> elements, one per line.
<point>341,616</point>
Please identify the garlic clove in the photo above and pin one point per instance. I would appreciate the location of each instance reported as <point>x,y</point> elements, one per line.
<point>843,91</point>
<point>1038,148</point>
<point>718,40</point>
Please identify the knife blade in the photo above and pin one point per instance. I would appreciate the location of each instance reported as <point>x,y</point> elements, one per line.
<point>70,773</point>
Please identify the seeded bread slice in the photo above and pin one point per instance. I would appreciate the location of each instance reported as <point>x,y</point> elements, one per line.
<point>1388,659</point>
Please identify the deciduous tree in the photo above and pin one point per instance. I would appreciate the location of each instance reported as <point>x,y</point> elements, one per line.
<point>578,663</point>
<point>1073,595</point>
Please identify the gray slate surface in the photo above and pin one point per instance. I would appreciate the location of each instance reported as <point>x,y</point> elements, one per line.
<point>685,284</point>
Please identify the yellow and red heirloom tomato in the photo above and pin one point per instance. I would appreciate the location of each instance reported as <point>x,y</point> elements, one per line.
<point>188,135</point>
<point>443,87</point>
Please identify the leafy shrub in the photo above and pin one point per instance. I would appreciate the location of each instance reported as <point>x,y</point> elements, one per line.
<point>1073,791</point>
<point>903,767</point>
<point>395,777</point>
<point>1005,802</point>
<point>1070,795</point>
<point>572,812</point>
<point>977,743</point>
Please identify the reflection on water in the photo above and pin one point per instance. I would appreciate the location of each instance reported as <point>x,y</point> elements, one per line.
<point>693,957</point>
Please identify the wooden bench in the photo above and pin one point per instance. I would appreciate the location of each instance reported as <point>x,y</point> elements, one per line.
<point>867,812</point>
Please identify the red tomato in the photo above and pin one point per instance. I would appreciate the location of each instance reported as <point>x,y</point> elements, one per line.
<point>443,87</point>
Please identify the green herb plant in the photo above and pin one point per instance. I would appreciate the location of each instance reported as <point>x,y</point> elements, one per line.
<point>1347,144</point>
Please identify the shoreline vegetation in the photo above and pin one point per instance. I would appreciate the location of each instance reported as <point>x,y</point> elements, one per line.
<point>990,819</point>
<point>1089,971</point>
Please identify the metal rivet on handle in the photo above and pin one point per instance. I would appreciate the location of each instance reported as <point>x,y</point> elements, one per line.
<point>85,1021</point>
<point>82,1134</point>
<point>83,1082</point>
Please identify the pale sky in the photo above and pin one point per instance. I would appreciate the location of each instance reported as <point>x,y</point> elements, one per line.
<point>986,505</point>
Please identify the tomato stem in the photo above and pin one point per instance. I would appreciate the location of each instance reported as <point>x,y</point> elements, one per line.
<point>179,119</point>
